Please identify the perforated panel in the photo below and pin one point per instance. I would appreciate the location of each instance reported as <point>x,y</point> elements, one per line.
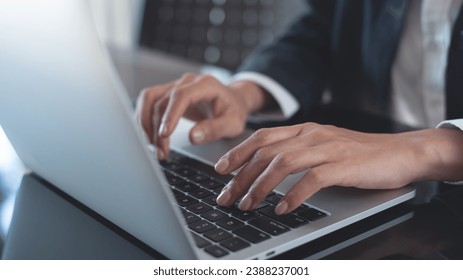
<point>218,32</point>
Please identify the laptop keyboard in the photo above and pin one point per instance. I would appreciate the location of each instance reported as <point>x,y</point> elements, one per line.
<point>220,230</point>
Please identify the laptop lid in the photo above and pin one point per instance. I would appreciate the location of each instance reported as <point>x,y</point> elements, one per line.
<point>70,120</point>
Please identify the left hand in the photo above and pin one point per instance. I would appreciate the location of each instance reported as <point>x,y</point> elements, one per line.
<point>334,156</point>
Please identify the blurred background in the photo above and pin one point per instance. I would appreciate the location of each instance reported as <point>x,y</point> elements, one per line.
<point>217,32</point>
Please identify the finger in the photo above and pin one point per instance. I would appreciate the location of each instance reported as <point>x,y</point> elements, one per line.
<point>317,178</point>
<point>161,143</point>
<point>282,165</point>
<point>213,129</point>
<point>203,88</point>
<point>240,184</point>
<point>145,106</point>
<point>247,149</point>
<point>270,167</point>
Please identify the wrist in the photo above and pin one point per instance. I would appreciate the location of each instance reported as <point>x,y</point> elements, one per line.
<point>439,152</point>
<point>250,95</point>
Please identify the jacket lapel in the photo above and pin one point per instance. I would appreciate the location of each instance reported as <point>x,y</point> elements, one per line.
<point>454,77</point>
<point>384,42</point>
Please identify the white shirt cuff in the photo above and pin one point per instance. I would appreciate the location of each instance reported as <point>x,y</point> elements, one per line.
<point>458,124</point>
<point>451,124</point>
<point>288,105</point>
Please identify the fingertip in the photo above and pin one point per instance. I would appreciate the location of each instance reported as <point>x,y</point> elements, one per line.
<point>281,208</point>
<point>198,136</point>
<point>161,155</point>
<point>224,198</point>
<point>222,165</point>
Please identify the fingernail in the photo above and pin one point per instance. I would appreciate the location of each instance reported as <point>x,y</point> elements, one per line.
<point>281,208</point>
<point>224,197</point>
<point>222,165</point>
<point>163,129</point>
<point>246,203</point>
<point>160,154</point>
<point>198,136</point>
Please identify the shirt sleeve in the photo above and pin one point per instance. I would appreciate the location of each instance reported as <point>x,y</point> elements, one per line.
<point>288,105</point>
<point>456,124</point>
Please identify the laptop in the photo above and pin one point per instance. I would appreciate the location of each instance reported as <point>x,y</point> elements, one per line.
<point>70,119</point>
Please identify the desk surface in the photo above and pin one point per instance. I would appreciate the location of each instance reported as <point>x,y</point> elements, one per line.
<point>37,222</point>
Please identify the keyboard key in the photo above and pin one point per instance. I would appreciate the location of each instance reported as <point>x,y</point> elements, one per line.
<point>200,242</point>
<point>230,223</point>
<point>212,184</point>
<point>177,193</point>
<point>274,198</point>
<point>228,210</point>
<point>216,251</point>
<point>175,157</point>
<point>199,208</point>
<point>200,193</point>
<point>211,200</point>
<point>217,235</point>
<point>312,214</point>
<point>170,165</point>
<point>208,170</point>
<point>244,215</point>
<point>251,234</point>
<point>187,186</point>
<point>217,190</point>
<point>262,205</point>
<point>300,208</point>
<point>186,200</point>
<point>173,179</point>
<point>289,220</point>
<point>190,217</point>
<point>198,178</point>
<point>214,215</point>
<point>186,172</point>
<point>269,226</point>
<point>235,244</point>
<point>201,226</point>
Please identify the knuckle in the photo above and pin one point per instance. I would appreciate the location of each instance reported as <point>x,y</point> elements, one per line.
<point>284,161</point>
<point>316,177</point>
<point>262,154</point>
<point>262,135</point>
<point>309,126</point>
<point>340,145</point>
<point>323,131</point>
<point>207,79</point>
<point>188,76</point>
<point>180,94</point>
<point>234,156</point>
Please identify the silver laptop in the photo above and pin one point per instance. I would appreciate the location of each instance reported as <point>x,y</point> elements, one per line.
<point>70,119</point>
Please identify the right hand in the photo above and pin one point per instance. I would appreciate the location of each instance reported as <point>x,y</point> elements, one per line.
<point>218,110</point>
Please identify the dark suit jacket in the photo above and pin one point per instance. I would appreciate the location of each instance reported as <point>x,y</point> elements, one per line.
<point>348,47</point>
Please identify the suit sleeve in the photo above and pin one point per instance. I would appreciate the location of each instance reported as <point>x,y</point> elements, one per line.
<point>299,59</point>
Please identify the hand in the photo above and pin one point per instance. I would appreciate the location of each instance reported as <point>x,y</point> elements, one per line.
<point>335,156</point>
<point>219,110</point>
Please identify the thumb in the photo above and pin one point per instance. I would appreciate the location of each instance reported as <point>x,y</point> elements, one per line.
<point>213,129</point>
